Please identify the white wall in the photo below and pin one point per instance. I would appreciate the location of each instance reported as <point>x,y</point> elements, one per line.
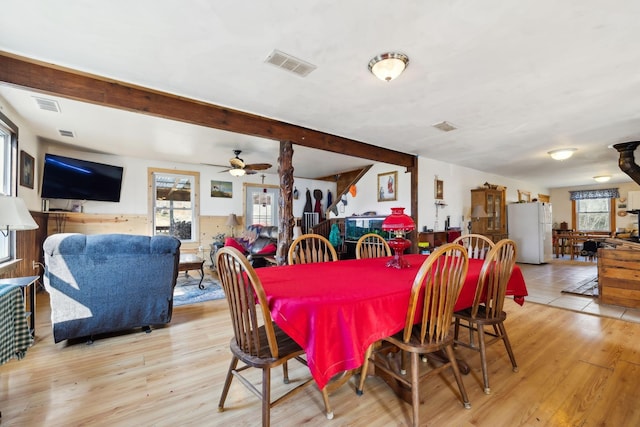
<point>458,181</point>
<point>27,142</point>
<point>366,199</point>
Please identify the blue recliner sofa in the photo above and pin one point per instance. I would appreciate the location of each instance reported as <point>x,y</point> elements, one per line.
<point>109,282</point>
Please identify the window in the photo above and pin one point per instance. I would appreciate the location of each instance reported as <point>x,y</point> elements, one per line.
<point>174,203</point>
<point>593,214</point>
<point>592,209</point>
<point>261,204</point>
<point>8,148</point>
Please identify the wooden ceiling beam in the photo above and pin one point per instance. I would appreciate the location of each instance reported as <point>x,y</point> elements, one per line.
<point>67,83</point>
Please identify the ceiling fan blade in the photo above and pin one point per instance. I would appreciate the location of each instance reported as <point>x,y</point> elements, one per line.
<point>258,166</point>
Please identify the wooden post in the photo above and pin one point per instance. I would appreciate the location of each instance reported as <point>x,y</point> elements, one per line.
<point>285,202</point>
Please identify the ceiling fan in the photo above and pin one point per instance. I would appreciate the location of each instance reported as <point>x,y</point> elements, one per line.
<point>239,167</point>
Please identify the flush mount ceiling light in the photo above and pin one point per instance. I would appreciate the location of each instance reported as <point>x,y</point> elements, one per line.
<point>562,153</point>
<point>602,178</point>
<point>388,66</point>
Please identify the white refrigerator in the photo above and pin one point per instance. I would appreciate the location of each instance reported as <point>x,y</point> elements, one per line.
<point>529,225</point>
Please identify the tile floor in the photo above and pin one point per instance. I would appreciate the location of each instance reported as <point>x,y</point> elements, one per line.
<point>545,283</point>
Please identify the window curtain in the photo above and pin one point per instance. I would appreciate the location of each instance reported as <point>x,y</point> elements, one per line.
<point>605,193</point>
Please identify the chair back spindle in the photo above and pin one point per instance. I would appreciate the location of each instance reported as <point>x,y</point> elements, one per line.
<point>477,245</point>
<point>311,248</point>
<point>372,245</point>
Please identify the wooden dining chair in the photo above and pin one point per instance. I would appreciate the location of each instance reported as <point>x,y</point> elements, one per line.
<point>435,289</point>
<point>372,245</point>
<point>477,245</point>
<point>310,248</point>
<point>487,306</point>
<point>257,342</point>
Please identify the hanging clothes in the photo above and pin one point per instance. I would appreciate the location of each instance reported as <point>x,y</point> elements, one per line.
<point>317,194</point>
<point>307,205</point>
<point>329,199</point>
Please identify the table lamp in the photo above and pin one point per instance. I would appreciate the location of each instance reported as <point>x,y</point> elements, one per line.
<point>477,213</point>
<point>398,223</point>
<point>14,215</point>
<point>232,222</point>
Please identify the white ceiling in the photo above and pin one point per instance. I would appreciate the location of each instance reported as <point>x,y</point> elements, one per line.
<point>517,79</point>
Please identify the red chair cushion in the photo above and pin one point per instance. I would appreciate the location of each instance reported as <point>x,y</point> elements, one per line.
<point>230,241</point>
<point>268,249</point>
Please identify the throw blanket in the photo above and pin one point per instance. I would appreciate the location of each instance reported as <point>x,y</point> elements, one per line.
<point>15,337</point>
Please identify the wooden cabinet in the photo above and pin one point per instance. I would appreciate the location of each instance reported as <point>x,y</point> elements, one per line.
<point>619,277</point>
<point>494,225</point>
<point>437,238</point>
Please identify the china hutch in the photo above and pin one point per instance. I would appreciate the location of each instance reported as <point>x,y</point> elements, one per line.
<point>494,225</point>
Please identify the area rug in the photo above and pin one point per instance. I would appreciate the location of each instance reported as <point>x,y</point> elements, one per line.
<point>588,287</point>
<point>187,290</point>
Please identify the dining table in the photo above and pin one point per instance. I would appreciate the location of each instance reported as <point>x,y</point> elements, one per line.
<point>335,310</point>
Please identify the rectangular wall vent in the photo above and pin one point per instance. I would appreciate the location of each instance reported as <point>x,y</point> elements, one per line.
<point>47,104</point>
<point>290,63</point>
<point>66,133</point>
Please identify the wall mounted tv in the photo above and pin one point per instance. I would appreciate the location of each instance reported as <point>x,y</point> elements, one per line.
<point>75,179</point>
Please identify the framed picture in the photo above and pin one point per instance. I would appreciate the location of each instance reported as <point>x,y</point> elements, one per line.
<point>524,196</point>
<point>387,186</point>
<point>222,189</point>
<point>26,169</point>
<point>439,189</point>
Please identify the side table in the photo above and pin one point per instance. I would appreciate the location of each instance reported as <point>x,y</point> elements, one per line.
<point>190,262</point>
<point>28,285</point>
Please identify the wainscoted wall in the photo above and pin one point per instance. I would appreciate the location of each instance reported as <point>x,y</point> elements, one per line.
<point>29,243</point>
<point>87,223</point>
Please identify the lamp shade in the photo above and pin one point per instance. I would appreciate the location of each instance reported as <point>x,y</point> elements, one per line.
<point>14,215</point>
<point>388,66</point>
<point>479,212</point>
<point>232,220</point>
<point>398,221</point>
<point>237,172</point>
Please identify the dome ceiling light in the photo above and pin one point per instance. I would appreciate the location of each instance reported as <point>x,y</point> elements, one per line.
<point>602,178</point>
<point>388,66</point>
<point>562,153</point>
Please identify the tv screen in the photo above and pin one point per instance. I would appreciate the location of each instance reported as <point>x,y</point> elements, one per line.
<point>75,179</point>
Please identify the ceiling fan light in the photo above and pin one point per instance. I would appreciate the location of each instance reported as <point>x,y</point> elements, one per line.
<point>602,178</point>
<point>237,172</point>
<point>562,153</point>
<point>388,66</point>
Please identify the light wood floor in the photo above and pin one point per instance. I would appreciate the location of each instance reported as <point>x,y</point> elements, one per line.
<point>576,369</point>
<point>546,282</point>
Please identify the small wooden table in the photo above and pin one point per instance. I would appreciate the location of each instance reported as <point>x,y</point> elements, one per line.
<point>191,262</point>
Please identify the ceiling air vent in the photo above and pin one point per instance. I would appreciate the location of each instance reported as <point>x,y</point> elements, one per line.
<point>47,104</point>
<point>66,133</point>
<point>290,63</point>
<point>445,126</point>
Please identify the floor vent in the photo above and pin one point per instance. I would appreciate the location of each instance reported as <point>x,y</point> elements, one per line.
<point>66,133</point>
<point>47,104</point>
<point>290,63</point>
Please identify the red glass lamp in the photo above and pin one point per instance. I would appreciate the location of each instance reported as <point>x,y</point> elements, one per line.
<point>398,223</point>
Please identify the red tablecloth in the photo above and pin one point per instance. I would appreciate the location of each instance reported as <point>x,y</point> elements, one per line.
<point>335,310</point>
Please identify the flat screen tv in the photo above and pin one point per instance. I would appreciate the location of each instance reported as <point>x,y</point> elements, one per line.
<point>75,179</point>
